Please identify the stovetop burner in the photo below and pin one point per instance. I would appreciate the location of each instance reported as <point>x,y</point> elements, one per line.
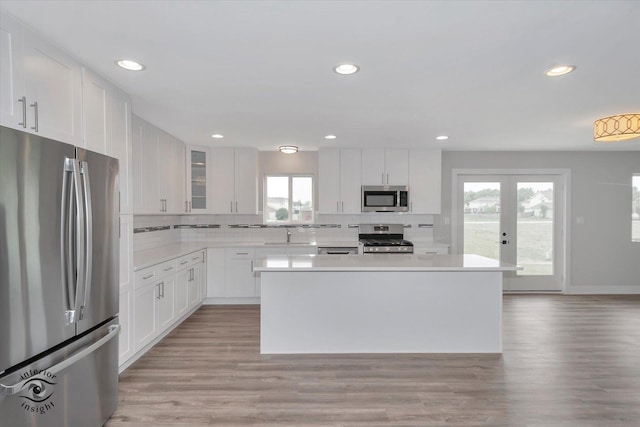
<point>384,238</point>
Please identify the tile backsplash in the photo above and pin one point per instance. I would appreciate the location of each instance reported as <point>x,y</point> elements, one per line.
<point>247,228</point>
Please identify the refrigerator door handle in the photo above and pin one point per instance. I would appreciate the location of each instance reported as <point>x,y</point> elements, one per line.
<point>77,247</point>
<point>84,171</point>
<point>66,240</point>
<point>6,390</point>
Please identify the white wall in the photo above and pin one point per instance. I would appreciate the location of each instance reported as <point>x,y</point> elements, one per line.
<point>602,258</point>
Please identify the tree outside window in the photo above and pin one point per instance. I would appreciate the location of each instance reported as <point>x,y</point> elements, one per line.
<point>288,199</point>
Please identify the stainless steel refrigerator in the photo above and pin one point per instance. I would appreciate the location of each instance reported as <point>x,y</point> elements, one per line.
<point>59,229</point>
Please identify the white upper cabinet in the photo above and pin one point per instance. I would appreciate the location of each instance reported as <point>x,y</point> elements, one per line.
<point>234,180</point>
<point>425,168</point>
<point>158,170</point>
<point>96,117</point>
<point>339,176</point>
<point>385,166</point>
<point>41,86</point>
<point>121,146</point>
<point>198,188</point>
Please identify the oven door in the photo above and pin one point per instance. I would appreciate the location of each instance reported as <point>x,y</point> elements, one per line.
<point>379,200</point>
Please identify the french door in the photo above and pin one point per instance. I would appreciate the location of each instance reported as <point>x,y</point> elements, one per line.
<point>517,219</point>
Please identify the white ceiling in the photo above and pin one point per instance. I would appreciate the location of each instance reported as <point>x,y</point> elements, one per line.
<point>260,72</point>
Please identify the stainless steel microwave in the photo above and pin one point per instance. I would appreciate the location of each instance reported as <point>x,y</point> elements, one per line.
<point>385,198</point>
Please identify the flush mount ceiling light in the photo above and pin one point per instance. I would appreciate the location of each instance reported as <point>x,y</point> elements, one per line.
<point>442,137</point>
<point>617,128</point>
<point>130,65</point>
<point>217,136</point>
<point>330,137</point>
<point>560,70</point>
<point>346,69</point>
<point>288,149</point>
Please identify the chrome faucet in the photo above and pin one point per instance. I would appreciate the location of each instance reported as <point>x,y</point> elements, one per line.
<point>288,235</point>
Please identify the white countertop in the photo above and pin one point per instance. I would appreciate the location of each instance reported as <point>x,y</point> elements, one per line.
<point>381,262</point>
<point>148,257</point>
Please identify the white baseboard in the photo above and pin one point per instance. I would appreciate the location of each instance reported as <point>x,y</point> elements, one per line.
<point>231,301</point>
<point>604,290</point>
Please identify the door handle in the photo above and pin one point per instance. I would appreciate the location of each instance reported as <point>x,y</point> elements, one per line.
<point>35,115</point>
<point>84,172</point>
<point>24,111</point>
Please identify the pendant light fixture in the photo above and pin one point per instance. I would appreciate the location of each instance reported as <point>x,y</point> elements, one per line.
<point>617,128</point>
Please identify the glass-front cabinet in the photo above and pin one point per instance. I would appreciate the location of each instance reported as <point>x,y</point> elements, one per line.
<point>198,180</point>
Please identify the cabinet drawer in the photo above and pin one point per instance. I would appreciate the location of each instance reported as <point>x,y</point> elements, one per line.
<point>189,260</point>
<point>240,253</point>
<point>153,273</point>
<point>430,251</point>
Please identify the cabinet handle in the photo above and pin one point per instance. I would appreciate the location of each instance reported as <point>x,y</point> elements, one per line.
<point>148,276</point>
<point>196,257</point>
<point>192,275</point>
<point>159,294</point>
<point>342,207</point>
<point>382,177</point>
<point>186,206</point>
<point>236,207</point>
<point>337,206</point>
<point>161,205</point>
<point>24,111</point>
<point>169,268</point>
<point>162,289</point>
<point>189,206</point>
<point>231,206</point>
<point>411,204</point>
<point>35,112</point>
<point>387,178</point>
<point>242,253</point>
<point>184,262</point>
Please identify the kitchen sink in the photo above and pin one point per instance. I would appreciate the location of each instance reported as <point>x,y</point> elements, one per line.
<point>286,244</point>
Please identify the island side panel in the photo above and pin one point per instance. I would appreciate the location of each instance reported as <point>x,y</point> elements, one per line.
<point>381,312</point>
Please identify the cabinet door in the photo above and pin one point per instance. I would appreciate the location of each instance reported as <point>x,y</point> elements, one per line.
<point>246,181</point>
<point>126,252</point>
<point>202,277</point>
<point>425,181</point>
<point>148,164</point>
<point>53,87</point>
<point>373,172</point>
<point>350,187</point>
<point>11,74</point>
<point>396,167</point>
<point>182,292</point>
<point>194,287</point>
<point>165,173</point>
<point>222,184</point>
<point>199,183</point>
<point>145,324</point>
<point>329,181</point>
<point>96,113</point>
<point>239,278</point>
<point>121,146</point>
<point>166,302</point>
<point>125,344</point>
<point>178,197</point>
<point>216,259</point>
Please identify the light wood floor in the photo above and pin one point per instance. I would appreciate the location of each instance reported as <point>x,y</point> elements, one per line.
<point>567,361</point>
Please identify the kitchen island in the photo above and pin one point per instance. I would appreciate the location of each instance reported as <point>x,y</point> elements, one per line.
<point>381,304</point>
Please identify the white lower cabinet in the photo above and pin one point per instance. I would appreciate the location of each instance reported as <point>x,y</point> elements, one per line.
<point>125,343</point>
<point>430,250</point>
<point>239,279</point>
<point>163,295</point>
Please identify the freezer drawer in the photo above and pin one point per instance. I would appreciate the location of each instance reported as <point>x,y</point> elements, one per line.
<point>76,386</point>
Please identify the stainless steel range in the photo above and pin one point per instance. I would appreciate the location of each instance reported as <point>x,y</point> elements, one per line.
<point>383,238</point>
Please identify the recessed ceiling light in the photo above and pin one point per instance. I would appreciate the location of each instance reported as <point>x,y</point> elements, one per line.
<point>346,69</point>
<point>217,136</point>
<point>442,137</point>
<point>560,70</point>
<point>330,137</point>
<point>288,149</point>
<point>130,65</point>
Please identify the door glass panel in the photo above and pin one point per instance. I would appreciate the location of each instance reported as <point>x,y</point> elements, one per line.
<point>277,199</point>
<point>535,228</point>
<point>198,180</point>
<point>302,198</point>
<point>482,219</point>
